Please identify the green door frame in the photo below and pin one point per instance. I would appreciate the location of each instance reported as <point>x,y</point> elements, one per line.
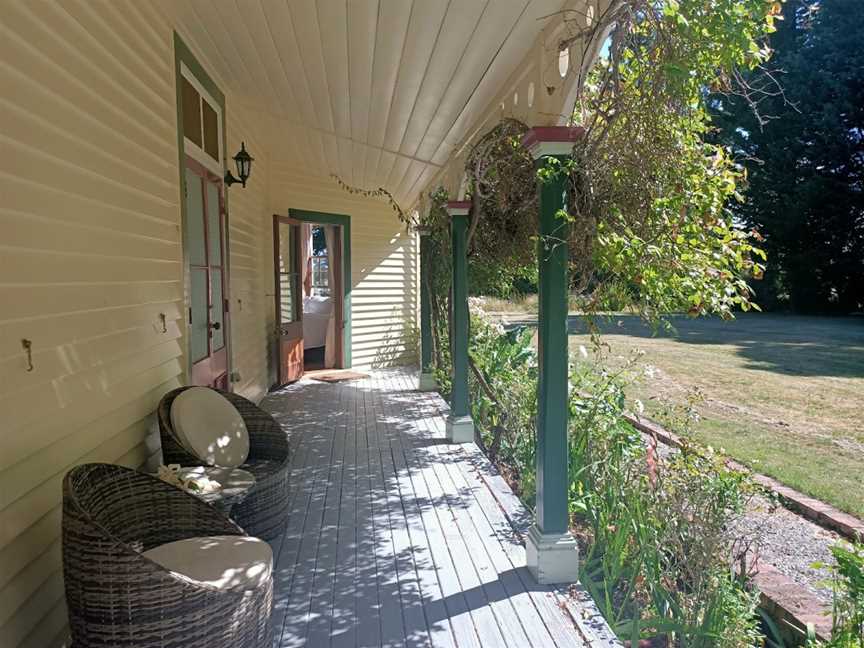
<point>183,55</point>
<point>325,218</point>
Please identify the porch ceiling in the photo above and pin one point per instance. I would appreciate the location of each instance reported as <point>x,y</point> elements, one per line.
<point>378,92</point>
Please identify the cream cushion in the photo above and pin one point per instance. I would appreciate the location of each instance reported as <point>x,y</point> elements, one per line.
<point>210,427</point>
<point>230,562</point>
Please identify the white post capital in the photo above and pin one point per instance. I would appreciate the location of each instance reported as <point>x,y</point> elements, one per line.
<point>458,207</point>
<point>542,141</point>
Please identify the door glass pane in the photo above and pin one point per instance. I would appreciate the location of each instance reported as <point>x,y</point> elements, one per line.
<point>214,232</point>
<point>217,315</point>
<point>198,328</point>
<point>288,281</point>
<point>194,219</point>
<point>287,295</point>
<point>285,247</point>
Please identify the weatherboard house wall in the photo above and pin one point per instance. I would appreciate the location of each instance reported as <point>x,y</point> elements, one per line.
<point>91,258</point>
<point>91,248</point>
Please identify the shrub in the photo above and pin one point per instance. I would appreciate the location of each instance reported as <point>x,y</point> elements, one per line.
<point>504,397</point>
<point>656,532</point>
<point>847,585</point>
<point>658,543</point>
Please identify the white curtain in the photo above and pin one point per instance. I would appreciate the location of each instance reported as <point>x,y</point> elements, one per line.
<point>306,259</point>
<point>332,254</point>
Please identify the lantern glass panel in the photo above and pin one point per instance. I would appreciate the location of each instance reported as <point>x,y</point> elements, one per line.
<point>244,165</point>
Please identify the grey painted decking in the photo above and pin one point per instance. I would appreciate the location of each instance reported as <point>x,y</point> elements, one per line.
<point>396,538</point>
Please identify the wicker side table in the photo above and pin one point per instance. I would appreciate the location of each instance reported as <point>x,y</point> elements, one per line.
<point>235,483</point>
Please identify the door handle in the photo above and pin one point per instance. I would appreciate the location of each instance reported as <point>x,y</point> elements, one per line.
<point>215,326</point>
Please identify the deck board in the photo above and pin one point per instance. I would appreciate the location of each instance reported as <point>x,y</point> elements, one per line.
<point>394,537</point>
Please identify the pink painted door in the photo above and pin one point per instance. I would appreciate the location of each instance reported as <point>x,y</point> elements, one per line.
<point>208,290</point>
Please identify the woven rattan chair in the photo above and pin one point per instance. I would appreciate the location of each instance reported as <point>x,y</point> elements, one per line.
<point>119,598</point>
<point>263,512</point>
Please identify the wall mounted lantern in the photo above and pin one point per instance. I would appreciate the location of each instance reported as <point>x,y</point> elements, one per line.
<point>244,167</point>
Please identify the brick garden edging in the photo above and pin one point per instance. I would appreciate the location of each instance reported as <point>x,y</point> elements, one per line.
<point>814,510</point>
<point>791,606</point>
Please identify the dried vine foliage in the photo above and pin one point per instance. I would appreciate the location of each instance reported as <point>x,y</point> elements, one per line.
<point>380,192</point>
<point>503,189</point>
<point>650,226</point>
<point>649,192</point>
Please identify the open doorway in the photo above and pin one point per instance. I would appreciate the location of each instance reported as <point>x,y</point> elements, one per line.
<point>312,264</point>
<point>322,304</point>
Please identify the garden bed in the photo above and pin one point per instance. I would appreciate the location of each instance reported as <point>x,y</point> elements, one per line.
<point>789,562</point>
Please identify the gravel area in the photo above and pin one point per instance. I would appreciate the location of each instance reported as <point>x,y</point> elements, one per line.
<point>792,544</point>
<point>786,540</point>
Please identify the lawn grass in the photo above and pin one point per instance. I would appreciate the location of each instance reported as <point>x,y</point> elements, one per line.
<point>783,394</point>
<point>517,304</point>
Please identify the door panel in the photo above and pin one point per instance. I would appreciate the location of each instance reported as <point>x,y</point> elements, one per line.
<point>195,236</point>
<point>214,226</point>
<point>217,315</point>
<point>289,309</point>
<point>205,251</point>
<point>198,330</point>
<point>290,359</point>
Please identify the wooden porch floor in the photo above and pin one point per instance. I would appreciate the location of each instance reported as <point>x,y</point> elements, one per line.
<point>397,538</point>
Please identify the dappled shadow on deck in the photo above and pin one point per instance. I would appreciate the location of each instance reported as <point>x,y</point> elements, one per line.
<point>393,537</point>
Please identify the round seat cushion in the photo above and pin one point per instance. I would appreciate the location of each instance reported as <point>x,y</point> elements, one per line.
<point>210,427</point>
<point>230,562</point>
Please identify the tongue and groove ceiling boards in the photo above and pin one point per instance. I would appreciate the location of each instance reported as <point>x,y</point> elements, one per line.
<point>378,92</point>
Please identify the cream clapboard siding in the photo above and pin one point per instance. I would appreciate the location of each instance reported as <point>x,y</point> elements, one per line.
<point>90,255</point>
<point>385,282</point>
<point>249,227</point>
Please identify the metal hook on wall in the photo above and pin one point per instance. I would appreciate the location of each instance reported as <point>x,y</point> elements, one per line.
<point>163,318</point>
<point>28,349</point>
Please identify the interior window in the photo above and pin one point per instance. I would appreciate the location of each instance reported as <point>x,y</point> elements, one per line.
<point>320,264</point>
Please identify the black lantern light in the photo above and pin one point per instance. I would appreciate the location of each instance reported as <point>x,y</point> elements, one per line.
<point>244,167</point>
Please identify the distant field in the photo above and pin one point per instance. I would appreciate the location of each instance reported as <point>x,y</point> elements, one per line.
<point>783,394</point>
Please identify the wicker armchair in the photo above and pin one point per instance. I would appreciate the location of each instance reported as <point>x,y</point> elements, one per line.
<point>119,598</point>
<point>263,512</point>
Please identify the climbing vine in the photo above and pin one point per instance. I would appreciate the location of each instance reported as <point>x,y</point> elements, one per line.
<point>380,192</point>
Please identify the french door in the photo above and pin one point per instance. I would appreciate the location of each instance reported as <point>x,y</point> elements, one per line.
<point>289,299</point>
<point>208,291</point>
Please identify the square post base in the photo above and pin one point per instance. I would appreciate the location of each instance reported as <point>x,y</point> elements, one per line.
<point>460,429</point>
<point>427,382</point>
<point>552,558</point>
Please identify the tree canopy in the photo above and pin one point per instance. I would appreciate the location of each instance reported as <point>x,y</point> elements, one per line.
<point>650,211</point>
<point>805,159</point>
